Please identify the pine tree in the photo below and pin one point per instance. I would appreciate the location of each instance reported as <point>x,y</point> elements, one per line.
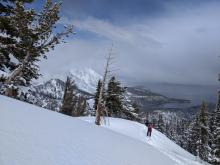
<point>211,136</point>
<point>114,97</point>
<point>136,107</point>
<point>193,136</point>
<point>161,124</point>
<point>204,133</point>
<point>9,38</point>
<point>34,37</point>
<point>69,98</point>
<point>96,98</point>
<point>180,132</point>
<point>216,134</point>
<point>198,135</point>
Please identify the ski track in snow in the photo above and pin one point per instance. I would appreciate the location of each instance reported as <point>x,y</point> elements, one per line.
<point>158,140</point>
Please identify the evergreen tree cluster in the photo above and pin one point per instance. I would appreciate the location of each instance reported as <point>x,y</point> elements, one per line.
<point>26,36</point>
<point>114,98</point>
<point>216,133</point>
<point>115,102</point>
<point>160,124</point>
<point>72,105</point>
<point>170,124</point>
<point>202,138</point>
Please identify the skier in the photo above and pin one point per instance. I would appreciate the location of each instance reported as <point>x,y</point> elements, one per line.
<point>146,123</point>
<point>149,130</point>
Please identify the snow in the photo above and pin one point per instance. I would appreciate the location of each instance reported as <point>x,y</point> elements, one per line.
<point>13,59</point>
<point>91,102</point>
<point>30,135</point>
<point>158,140</point>
<point>86,79</point>
<point>2,73</point>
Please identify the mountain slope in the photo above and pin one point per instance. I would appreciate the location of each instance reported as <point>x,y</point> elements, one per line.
<point>30,135</point>
<point>158,140</point>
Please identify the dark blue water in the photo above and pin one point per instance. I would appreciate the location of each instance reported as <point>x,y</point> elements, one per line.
<point>195,93</point>
<point>176,105</point>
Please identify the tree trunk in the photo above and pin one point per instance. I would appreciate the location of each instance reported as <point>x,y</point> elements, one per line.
<point>18,71</point>
<point>100,101</point>
<point>98,114</point>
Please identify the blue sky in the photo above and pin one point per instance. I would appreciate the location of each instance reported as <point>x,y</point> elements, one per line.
<point>172,41</point>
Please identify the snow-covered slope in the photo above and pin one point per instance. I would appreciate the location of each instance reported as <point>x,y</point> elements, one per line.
<point>158,140</point>
<point>30,135</point>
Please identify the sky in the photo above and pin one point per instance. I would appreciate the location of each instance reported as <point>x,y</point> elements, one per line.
<point>162,41</point>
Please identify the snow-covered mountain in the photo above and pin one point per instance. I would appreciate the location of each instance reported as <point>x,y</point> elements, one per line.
<point>32,135</point>
<point>53,88</point>
<point>85,79</point>
<point>49,94</point>
<point>49,90</point>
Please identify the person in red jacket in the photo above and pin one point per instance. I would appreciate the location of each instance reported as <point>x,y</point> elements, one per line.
<point>149,130</point>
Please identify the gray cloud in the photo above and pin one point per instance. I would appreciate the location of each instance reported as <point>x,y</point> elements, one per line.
<point>181,46</point>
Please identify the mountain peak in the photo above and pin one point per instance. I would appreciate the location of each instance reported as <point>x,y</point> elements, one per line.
<point>86,79</point>
<point>84,71</point>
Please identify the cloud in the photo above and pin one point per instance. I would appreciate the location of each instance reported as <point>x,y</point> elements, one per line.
<point>181,46</point>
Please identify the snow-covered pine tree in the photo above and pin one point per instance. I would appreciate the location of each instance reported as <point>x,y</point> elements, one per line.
<point>135,107</point>
<point>170,128</point>
<point>193,136</point>
<point>69,98</point>
<point>197,135</point>
<point>211,136</point>
<point>34,37</point>
<point>203,148</point>
<point>130,111</point>
<point>167,130</point>
<point>216,134</point>
<point>160,124</point>
<point>8,33</point>
<point>114,97</point>
<point>180,132</point>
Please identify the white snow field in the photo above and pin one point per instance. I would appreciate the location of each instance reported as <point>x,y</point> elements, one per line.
<point>158,140</point>
<point>30,135</point>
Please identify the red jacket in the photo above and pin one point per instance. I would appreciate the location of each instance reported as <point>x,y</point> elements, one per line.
<point>150,126</point>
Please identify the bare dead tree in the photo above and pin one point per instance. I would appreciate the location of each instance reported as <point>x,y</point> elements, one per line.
<point>101,106</point>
